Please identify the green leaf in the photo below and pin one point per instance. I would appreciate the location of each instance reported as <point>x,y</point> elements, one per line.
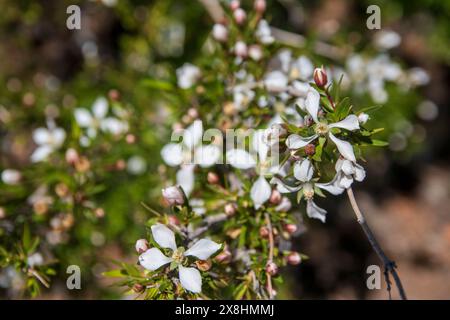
<point>157,84</point>
<point>379,143</point>
<point>118,273</point>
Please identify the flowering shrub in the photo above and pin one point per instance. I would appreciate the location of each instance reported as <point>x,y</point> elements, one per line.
<point>265,131</point>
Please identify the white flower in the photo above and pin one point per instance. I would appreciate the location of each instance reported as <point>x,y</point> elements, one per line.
<point>173,195</point>
<point>276,81</point>
<point>240,49</point>
<point>11,176</point>
<point>303,173</point>
<point>387,39</point>
<point>35,259</point>
<point>136,165</point>
<point>188,153</point>
<point>98,120</point>
<point>187,75</point>
<point>263,32</point>
<point>347,171</point>
<point>48,140</point>
<point>220,32</point>
<point>351,123</point>
<point>153,258</point>
<point>238,158</point>
<point>363,118</point>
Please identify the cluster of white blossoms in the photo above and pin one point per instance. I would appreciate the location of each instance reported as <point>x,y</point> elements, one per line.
<point>47,140</point>
<point>153,259</point>
<point>98,120</point>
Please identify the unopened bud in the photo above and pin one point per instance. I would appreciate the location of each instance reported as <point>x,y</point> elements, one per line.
<point>239,15</point>
<point>220,32</point>
<point>310,149</point>
<point>363,117</point>
<point>120,164</point>
<point>173,195</point>
<point>224,257</point>
<point>130,138</point>
<point>294,258</point>
<point>193,113</point>
<point>240,49</point>
<point>290,228</point>
<point>320,77</point>
<point>255,52</point>
<point>212,178</point>
<point>271,268</point>
<point>2,213</point>
<point>230,209</point>
<point>260,6</point>
<point>275,197</point>
<point>61,190</point>
<point>235,4</point>
<point>141,246</point>
<point>173,220</point>
<point>138,288</point>
<point>285,205</point>
<point>203,265</point>
<point>114,94</point>
<point>82,165</point>
<point>99,212</point>
<point>264,232</point>
<point>11,176</point>
<point>72,156</point>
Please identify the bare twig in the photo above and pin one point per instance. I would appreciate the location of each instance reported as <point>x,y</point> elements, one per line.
<point>36,274</point>
<point>270,259</point>
<point>214,9</point>
<point>209,221</point>
<point>389,265</point>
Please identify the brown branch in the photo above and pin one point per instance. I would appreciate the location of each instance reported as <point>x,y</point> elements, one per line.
<point>270,259</point>
<point>389,265</point>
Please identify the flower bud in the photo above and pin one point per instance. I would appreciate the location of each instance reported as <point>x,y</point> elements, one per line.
<point>173,195</point>
<point>193,113</point>
<point>72,156</point>
<point>264,232</point>
<point>255,52</point>
<point>2,213</point>
<point>320,77</point>
<point>363,117</point>
<point>141,246</point>
<point>173,220</point>
<point>310,149</point>
<point>239,15</point>
<point>203,265</point>
<point>223,257</point>
<point>11,176</point>
<point>99,212</point>
<point>271,268</point>
<point>138,288</point>
<point>285,205</point>
<point>212,178</point>
<point>290,228</point>
<point>120,164</point>
<point>220,32</point>
<point>260,6</point>
<point>114,94</point>
<point>230,209</point>
<point>275,197</point>
<point>130,138</point>
<point>294,258</point>
<point>240,49</point>
<point>83,164</point>
<point>61,190</point>
<point>235,4</point>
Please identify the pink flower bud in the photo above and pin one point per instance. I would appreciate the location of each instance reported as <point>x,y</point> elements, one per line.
<point>240,49</point>
<point>230,209</point>
<point>294,258</point>
<point>264,232</point>
<point>212,178</point>
<point>320,77</point>
<point>260,6</point>
<point>130,138</point>
<point>239,15</point>
<point>173,220</point>
<point>290,228</point>
<point>255,52</point>
<point>72,156</point>
<point>220,32</point>
<point>173,195</point>
<point>224,256</point>
<point>235,4</point>
<point>141,246</point>
<point>363,117</point>
<point>271,268</point>
<point>275,197</point>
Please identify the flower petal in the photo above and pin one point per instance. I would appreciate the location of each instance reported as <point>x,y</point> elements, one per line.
<point>360,173</point>
<point>207,155</point>
<point>83,117</point>
<point>172,154</point>
<point>163,236</point>
<point>192,136</point>
<point>260,192</point>
<point>100,107</point>
<point>344,181</point>
<point>313,211</point>
<point>348,167</point>
<point>203,249</point>
<point>41,136</point>
<point>332,187</point>
<point>153,259</point>
<point>294,141</point>
<point>303,170</point>
<point>113,126</point>
<point>58,137</point>
<point>350,123</point>
<point>190,279</point>
<point>312,103</point>
<point>284,188</point>
<point>240,159</point>
<point>344,147</point>
<point>41,153</point>
<point>259,145</point>
<point>186,178</point>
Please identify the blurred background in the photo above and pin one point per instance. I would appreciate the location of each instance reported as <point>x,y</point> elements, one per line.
<point>47,70</point>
